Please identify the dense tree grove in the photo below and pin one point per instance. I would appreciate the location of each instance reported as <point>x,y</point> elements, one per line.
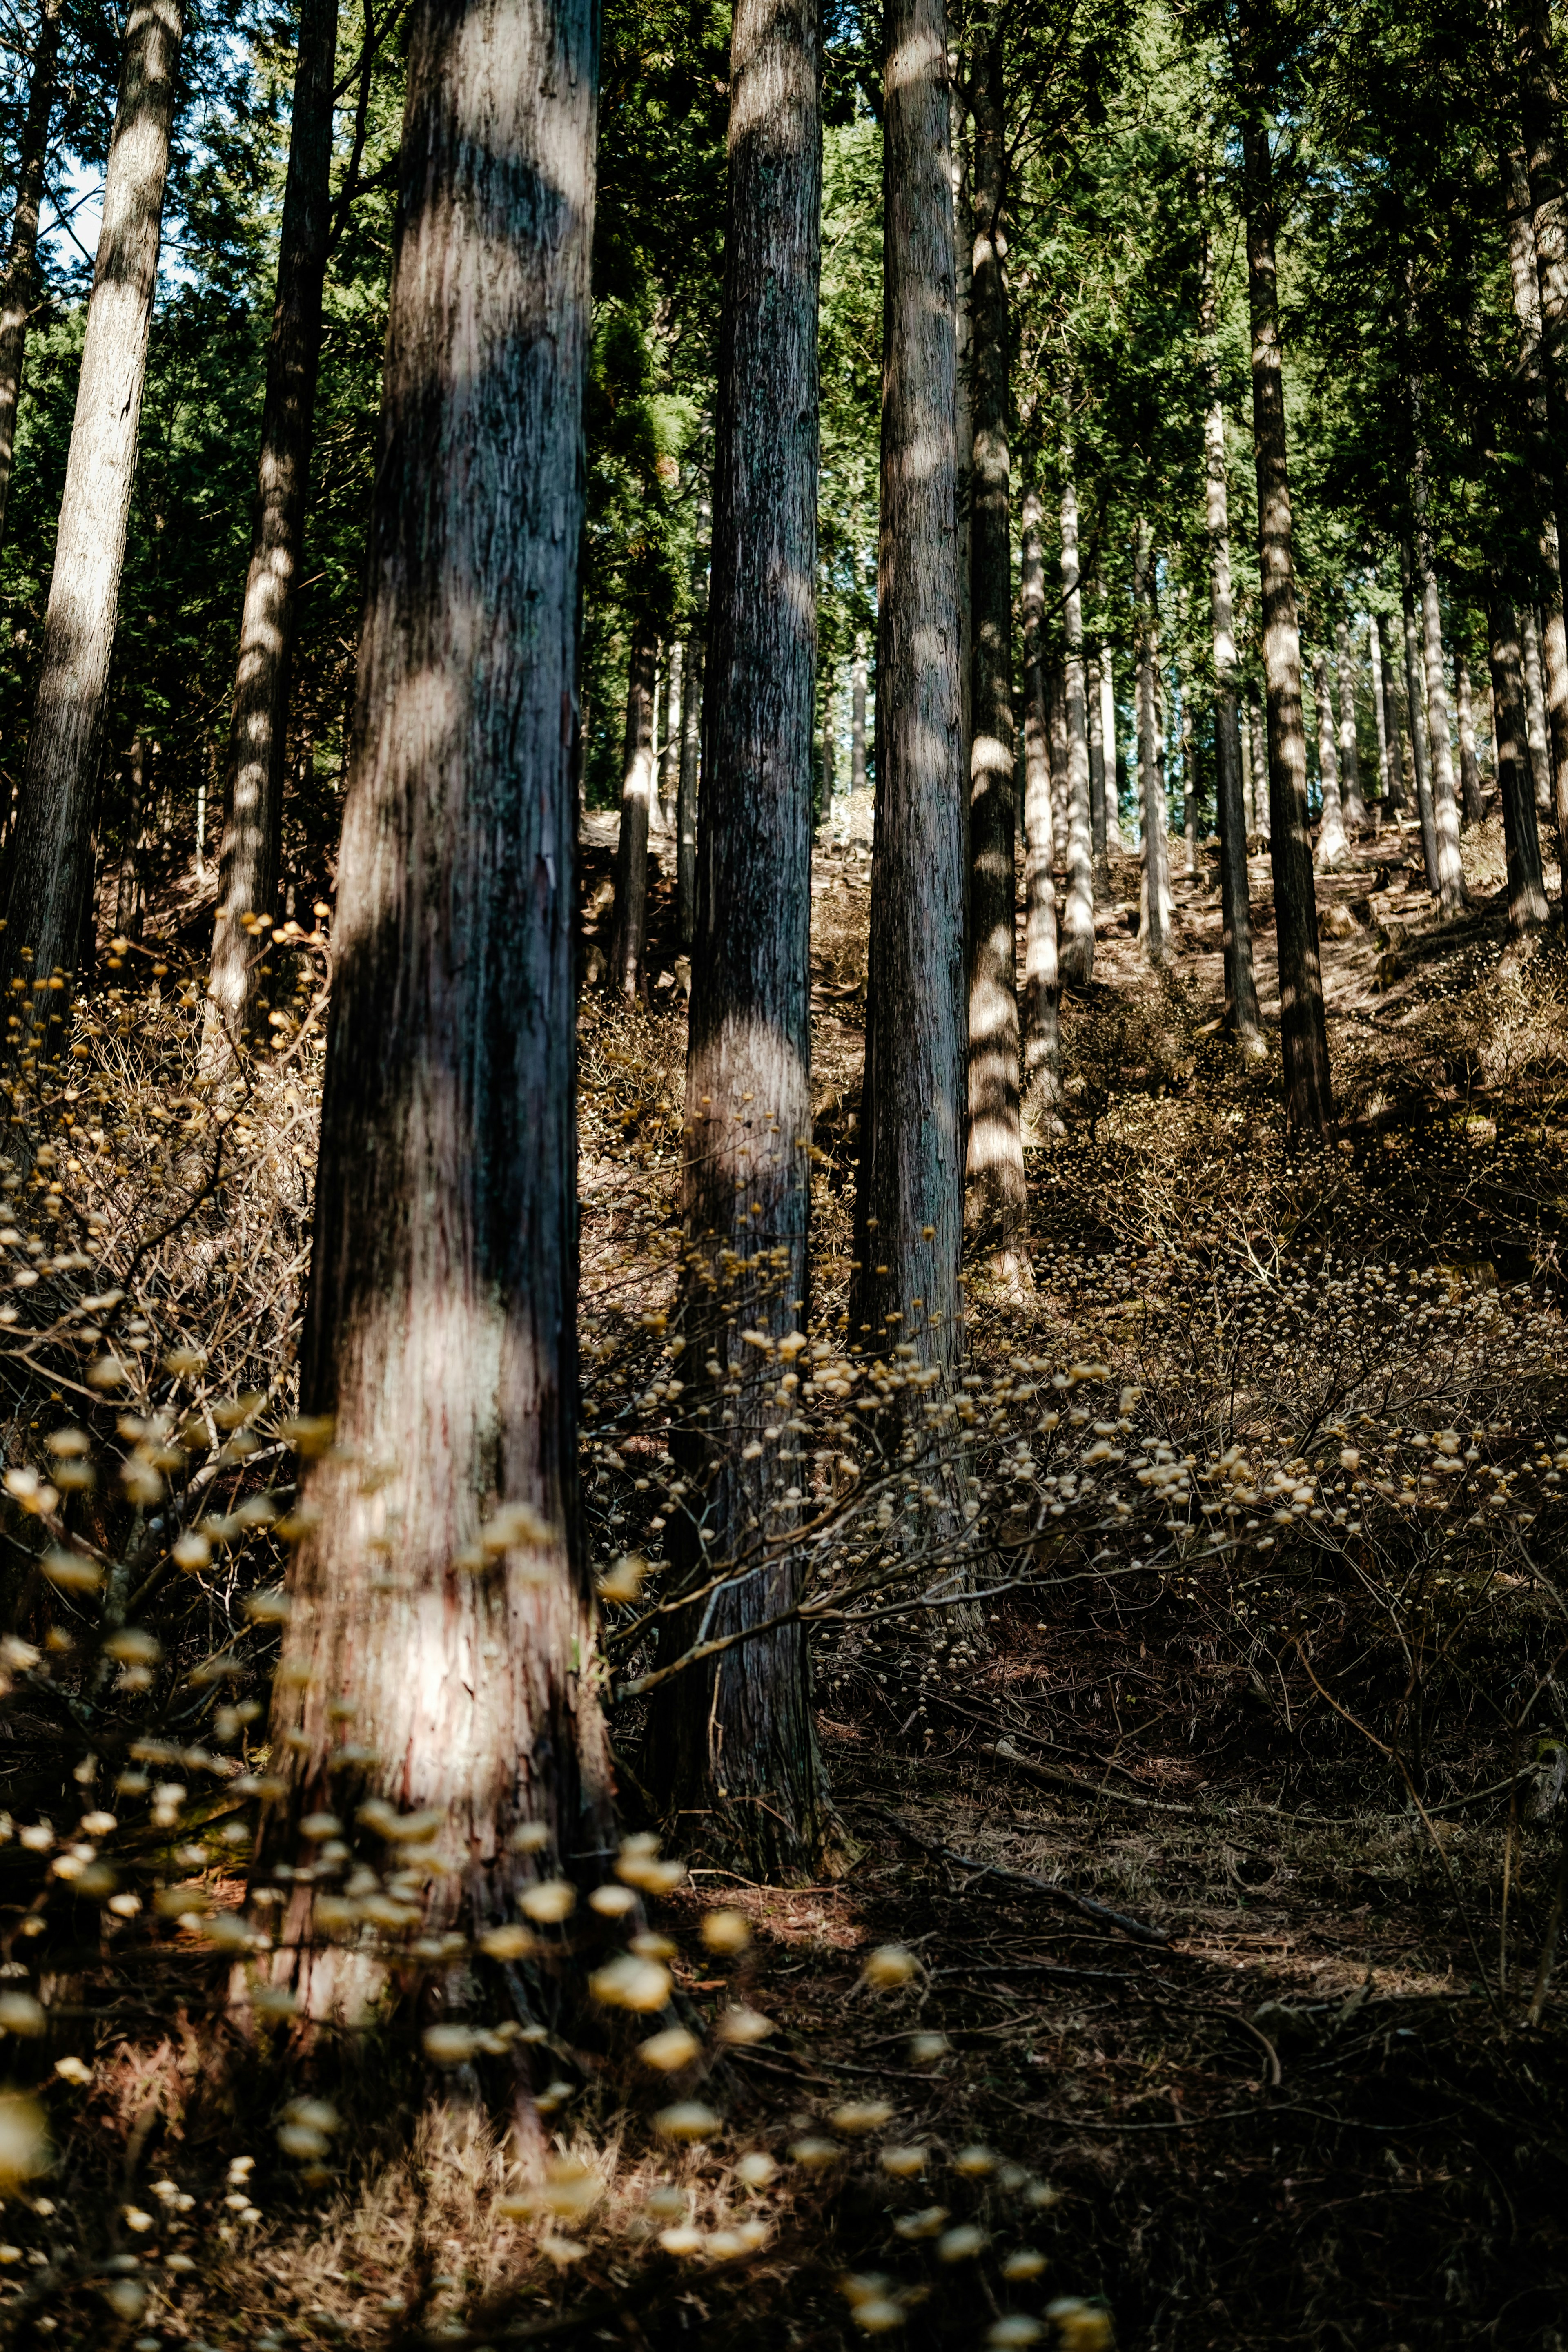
<point>784,854</point>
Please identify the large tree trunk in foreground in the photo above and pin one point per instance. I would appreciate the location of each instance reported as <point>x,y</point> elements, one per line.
<point>17,295</point>
<point>731,1739</point>
<point>628,972</point>
<point>51,857</point>
<point>1304,1034</point>
<point>1078,926</point>
<point>1334,845</point>
<point>1349,750</point>
<point>1527,907</point>
<point>251,849</point>
<point>1042,980</point>
<point>1154,930</point>
<point>1240,987</point>
<point>446,1596</point>
<point>1416,711</point>
<point>909,1202</point>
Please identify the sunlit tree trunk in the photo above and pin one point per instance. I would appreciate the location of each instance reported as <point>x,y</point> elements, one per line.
<point>1155,928</point>
<point>50,861</point>
<point>686,794</point>
<point>443,1594</point>
<point>1230,798</point>
<point>857,719</point>
<point>997,1200</point>
<point>1333,847</point>
<point>1538,743</point>
<point>909,1202</point>
<point>1390,748</point>
<point>1527,907</point>
<point>1108,750</point>
<point>1470,766</point>
<point>1041,985</point>
<point>1416,710</point>
<point>1349,750</point>
<point>251,844</point>
<point>1445,799</point>
<point>629,929</point>
<point>17,295</point>
<point>1078,925</point>
<point>731,1740</point>
<point>1309,1105</point>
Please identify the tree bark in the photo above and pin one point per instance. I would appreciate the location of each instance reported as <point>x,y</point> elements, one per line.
<point>1078,929</point>
<point>1540,109</point>
<point>1540,747</point>
<point>1188,782</point>
<point>443,1589</point>
<point>1445,799</point>
<point>669,735</point>
<point>1108,747</point>
<point>1470,766</point>
<point>1241,1010</point>
<point>16,296</point>
<point>732,1739</point>
<point>1527,907</point>
<point>1549,671</point>
<point>629,929</point>
<point>1349,750</point>
<point>829,745</point>
<point>1334,845</point>
<point>50,861</point>
<point>1042,980</point>
<point>686,794</point>
<point>857,719</point>
<point>1415,710</point>
<point>1155,928</point>
<point>251,849</point>
<point>912,1123</point>
<point>1309,1103</point>
<point>996,1202</point>
<point>1095,720</point>
<point>1390,753</point>
<point>1250,781</point>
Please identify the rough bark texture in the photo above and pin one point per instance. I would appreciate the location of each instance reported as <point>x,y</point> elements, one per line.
<point>51,856</point>
<point>1540,109</point>
<point>1539,745</point>
<point>1527,907</point>
<point>1108,750</point>
<point>686,794</point>
<point>1078,926</point>
<point>251,849</point>
<point>444,1591</point>
<point>732,1738</point>
<point>911,1175</point>
<point>1389,751</point>
<point>1334,845</point>
<point>1445,799</point>
<point>1042,981</point>
<point>1415,710</point>
<point>1553,654</point>
<point>996,1203</point>
<point>1241,1010</point>
<point>1155,928</point>
<point>629,932</point>
<point>17,295</point>
<point>1304,1035</point>
<point>857,719</point>
<point>1349,750</point>
<point>1470,766</point>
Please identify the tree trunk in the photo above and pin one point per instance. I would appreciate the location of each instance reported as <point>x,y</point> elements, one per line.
<point>909,1201</point>
<point>963,417</point>
<point>1241,1010</point>
<point>443,1589</point>
<point>829,746</point>
<point>732,1739</point>
<point>1527,907</point>
<point>1188,784</point>
<point>1549,665</point>
<point>51,862</point>
<point>1349,750</point>
<point>857,719</point>
<point>1041,984</point>
<point>1389,745</point>
<point>1445,799</point>
<point>1334,845</point>
<point>1093,714</point>
<point>1303,1035</point>
<point>1258,733</point>
<point>1078,928</point>
<point>1249,784</point>
<point>1416,710</point>
<point>629,929</point>
<point>1109,752</point>
<point>1470,766</point>
<point>252,844</point>
<point>17,295</point>
<point>1539,745</point>
<point>1541,110</point>
<point>669,735</point>
<point>1155,926</point>
<point>686,794</point>
<point>996,1202</point>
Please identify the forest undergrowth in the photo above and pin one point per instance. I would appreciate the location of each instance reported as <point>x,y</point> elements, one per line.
<point>1190,1686</point>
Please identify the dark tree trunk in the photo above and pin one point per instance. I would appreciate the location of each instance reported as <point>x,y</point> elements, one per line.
<point>1540,109</point>
<point>1078,926</point>
<point>1258,737</point>
<point>996,1203</point>
<point>1349,750</point>
<point>51,862</point>
<point>1525,279</point>
<point>1415,710</point>
<point>447,1596</point>
<point>17,294</point>
<point>1241,1010</point>
<point>909,1204</point>
<point>1156,925</point>
<point>857,719</point>
<point>1334,847</point>
<point>251,849</point>
<point>1042,981</point>
<point>1391,741</point>
<point>686,794</point>
<point>1470,766</point>
<point>1527,907</point>
<point>629,929</point>
<point>732,1738</point>
<point>1304,1034</point>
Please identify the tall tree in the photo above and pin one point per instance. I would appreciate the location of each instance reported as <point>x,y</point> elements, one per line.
<point>1382,709</point>
<point>1525,286</point>
<point>50,859</point>
<point>1527,907</point>
<point>857,718</point>
<point>16,294</point>
<point>1392,752</point>
<point>1042,978</point>
<point>1242,1009</point>
<point>1445,799</point>
<point>1541,107</point>
<point>909,1202</point>
<point>441,1324</point>
<point>1334,847</point>
<point>670,732</point>
<point>1349,750</point>
<point>1415,710</point>
<point>1303,1032</point>
<point>686,794</point>
<point>629,929</point>
<point>1155,929</point>
<point>997,1202</point>
<point>251,849</point>
<point>1470,766</point>
<point>732,1738</point>
<point>1109,753</point>
<point>1078,915</point>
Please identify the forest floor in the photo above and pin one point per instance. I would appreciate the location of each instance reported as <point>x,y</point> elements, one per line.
<point>1224,1876</point>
